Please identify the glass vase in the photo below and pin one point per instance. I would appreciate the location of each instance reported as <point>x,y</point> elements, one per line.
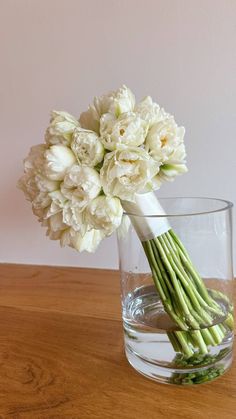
<point>156,344</point>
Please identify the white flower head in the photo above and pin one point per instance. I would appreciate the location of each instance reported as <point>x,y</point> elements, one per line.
<point>28,185</point>
<point>70,213</point>
<point>174,166</point>
<point>127,172</point>
<point>35,159</point>
<point>87,147</point>
<point>55,226</point>
<point>115,102</point>
<point>73,217</point>
<point>40,205</point>
<point>61,128</point>
<point>80,242</point>
<point>81,185</point>
<point>149,111</point>
<point>122,101</point>
<point>58,202</point>
<point>35,185</point>
<point>58,159</point>
<point>127,130</point>
<point>33,164</point>
<point>104,213</point>
<point>44,184</point>
<point>163,138</point>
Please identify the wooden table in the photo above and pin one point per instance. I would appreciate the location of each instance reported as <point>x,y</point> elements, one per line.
<point>62,354</point>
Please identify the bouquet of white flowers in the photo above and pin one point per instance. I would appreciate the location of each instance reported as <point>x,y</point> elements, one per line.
<point>90,170</point>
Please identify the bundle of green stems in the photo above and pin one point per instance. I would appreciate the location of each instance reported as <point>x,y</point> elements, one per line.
<point>200,320</point>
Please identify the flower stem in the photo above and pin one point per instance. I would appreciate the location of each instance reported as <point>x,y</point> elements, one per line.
<point>185,297</point>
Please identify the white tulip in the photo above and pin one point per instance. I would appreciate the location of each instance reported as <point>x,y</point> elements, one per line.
<point>81,185</point>
<point>59,159</point>
<point>105,214</point>
<point>89,241</point>
<point>56,222</point>
<point>44,184</point>
<point>55,226</point>
<point>58,202</point>
<point>55,235</point>
<point>175,165</point>
<point>123,100</point>
<point>40,205</point>
<point>73,217</point>
<point>35,185</point>
<point>115,102</point>
<point>87,147</point>
<point>35,159</point>
<point>149,111</point>
<point>32,184</point>
<point>129,171</point>
<point>61,128</point>
<point>33,165</point>
<point>28,185</point>
<point>42,200</point>
<point>127,130</point>
<point>80,242</point>
<point>90,119</point>
<point>163,138</point>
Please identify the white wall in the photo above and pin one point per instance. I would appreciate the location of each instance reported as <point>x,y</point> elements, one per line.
<point>60,53</point>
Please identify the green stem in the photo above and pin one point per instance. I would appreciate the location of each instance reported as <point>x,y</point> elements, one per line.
<point>175,282</point>
<point>184,343</point>
<point>184,296</point>
<point>192,292</point>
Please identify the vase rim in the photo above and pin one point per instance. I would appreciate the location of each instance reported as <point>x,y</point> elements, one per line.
<point>221,205</point>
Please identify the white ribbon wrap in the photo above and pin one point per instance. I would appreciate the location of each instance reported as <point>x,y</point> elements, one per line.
<point>139,212</point>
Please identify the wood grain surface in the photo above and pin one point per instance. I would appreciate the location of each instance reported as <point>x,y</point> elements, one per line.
<point>61,354</point>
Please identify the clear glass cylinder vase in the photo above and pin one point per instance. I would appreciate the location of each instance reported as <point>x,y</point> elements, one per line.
<point>177,291</point>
